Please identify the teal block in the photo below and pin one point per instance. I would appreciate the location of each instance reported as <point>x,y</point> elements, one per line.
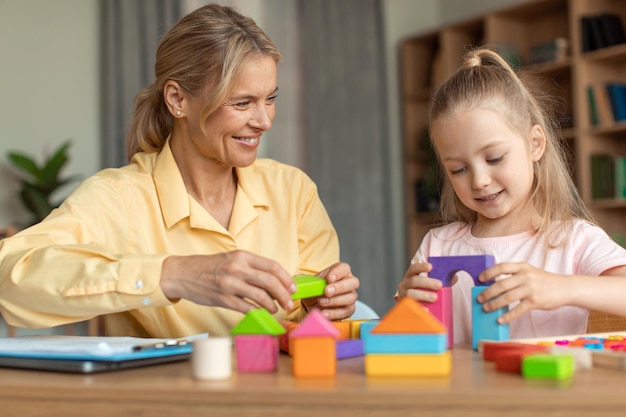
<point>548,366</point>
<point>484,324</point>
<point>402,343</point>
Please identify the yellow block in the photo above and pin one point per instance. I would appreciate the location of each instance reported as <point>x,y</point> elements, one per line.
<point>355,328</point>
<point>390,365</point>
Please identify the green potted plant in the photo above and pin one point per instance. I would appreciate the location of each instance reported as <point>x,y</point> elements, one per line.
<point>40,181</point>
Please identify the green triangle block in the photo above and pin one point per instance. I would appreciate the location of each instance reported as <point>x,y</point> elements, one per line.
<point>308,286</point>
<point>258,321</point>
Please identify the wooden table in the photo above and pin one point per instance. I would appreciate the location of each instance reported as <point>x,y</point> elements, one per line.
<point>474,389</point>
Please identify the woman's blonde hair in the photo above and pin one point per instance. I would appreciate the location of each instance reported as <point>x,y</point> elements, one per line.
<point>486,79</point>
<point>203,53</point>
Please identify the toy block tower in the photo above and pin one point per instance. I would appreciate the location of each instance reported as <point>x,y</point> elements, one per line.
<point>256,341</point>
<point>407,341</point>
<point>484,324</point>
<point>313,347</point>
<point>444,269</point>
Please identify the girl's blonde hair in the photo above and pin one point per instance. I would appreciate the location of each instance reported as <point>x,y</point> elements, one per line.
<point>486,79</point>
<point>203,53</point>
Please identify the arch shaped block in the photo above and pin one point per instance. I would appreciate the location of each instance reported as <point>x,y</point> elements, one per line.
<point>445,267</point>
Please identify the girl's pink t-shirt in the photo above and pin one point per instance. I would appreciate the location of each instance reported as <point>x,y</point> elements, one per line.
<point>586,250</point>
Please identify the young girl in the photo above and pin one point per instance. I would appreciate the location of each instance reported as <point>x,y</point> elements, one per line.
<point>507,193</point>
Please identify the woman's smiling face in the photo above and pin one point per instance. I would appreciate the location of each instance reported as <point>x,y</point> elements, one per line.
<point>234,130</point>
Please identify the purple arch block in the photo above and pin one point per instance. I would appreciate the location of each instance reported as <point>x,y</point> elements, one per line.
<point>444,267</point>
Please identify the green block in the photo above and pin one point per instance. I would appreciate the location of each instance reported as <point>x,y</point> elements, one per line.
<point>258,321</point>
<point>308,286</point>
<point>547,366</point>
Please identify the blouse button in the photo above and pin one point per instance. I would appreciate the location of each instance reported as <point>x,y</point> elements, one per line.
<point>138,284</point>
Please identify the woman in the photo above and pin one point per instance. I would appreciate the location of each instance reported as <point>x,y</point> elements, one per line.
<point>195,230</point>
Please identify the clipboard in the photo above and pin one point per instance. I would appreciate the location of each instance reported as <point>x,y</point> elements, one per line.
<point>89,354</point>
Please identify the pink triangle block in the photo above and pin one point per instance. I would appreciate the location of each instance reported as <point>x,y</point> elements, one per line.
<point>315,324</point>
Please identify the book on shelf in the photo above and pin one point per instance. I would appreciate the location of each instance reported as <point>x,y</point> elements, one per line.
<point>617,97</point>
<point>620,177</point>
<point>601,31</point>
<point>608,176</point>
<point>594,119</point>
<point>551,51</point>
<point>607,103</point>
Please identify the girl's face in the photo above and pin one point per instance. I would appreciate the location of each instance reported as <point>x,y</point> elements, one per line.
<point>233,131</point>
<point>490,167</point>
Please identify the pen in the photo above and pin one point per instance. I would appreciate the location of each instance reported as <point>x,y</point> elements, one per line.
<point>161,344</point>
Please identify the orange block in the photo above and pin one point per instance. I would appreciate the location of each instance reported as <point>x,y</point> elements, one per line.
<point>314,357</point>
<point>409,316</point>
<point>344,329</point>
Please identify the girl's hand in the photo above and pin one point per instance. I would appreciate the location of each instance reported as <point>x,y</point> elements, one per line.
<point>337,303</point>
<point>532,287</point>
<point>237,280</point>
<point>418,286</point>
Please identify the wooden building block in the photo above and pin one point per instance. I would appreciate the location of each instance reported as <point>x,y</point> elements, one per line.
<point>349,348</point>
<point>547,366</point>
<point>256,353</point>
<point>408,316</point>
<point>283,339</point>
<point>308,286</point>
<point>314,357</point>
<point>403,342</point>
<point>394,365</point>
<point>490,349</point>
<point>315,324</point>
<point>355,328</point>
<point>344,329</point>
<point>442,310</point>
<point>510,360</point>
<point>445,267</point>
<point>258,321</point>
<point>484,324</point>
<point>583,358</point>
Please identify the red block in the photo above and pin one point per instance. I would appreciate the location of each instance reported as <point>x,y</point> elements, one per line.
<point>510,360</point>
<point>491,349</point>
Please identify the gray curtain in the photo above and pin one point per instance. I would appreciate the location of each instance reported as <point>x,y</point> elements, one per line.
<point>346,125</point>
<point>131,30</point>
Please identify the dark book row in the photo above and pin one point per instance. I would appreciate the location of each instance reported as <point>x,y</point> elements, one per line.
<point>601,31</point>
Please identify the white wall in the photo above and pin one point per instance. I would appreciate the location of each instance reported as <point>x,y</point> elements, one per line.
<point>50,92</point>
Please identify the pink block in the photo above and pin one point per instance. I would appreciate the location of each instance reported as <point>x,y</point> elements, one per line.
<point>442,309</point>
<point>256,353</point>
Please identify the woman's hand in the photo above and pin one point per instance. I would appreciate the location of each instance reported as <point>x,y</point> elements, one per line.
<point>238,280</point>
<point>337,303</point>
<point>417,285</point>
<point>532,287</point>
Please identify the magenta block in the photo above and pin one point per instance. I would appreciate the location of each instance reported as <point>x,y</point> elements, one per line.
<point>256,353</point>
<point>442,309</point>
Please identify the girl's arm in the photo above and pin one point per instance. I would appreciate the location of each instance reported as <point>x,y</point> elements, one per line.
<point>538,289</point>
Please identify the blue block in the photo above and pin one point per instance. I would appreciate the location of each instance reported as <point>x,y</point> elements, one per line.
<point>484,324</point>
<point>402,343</point>
<point>445,267</point>
<point>366,327</point>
